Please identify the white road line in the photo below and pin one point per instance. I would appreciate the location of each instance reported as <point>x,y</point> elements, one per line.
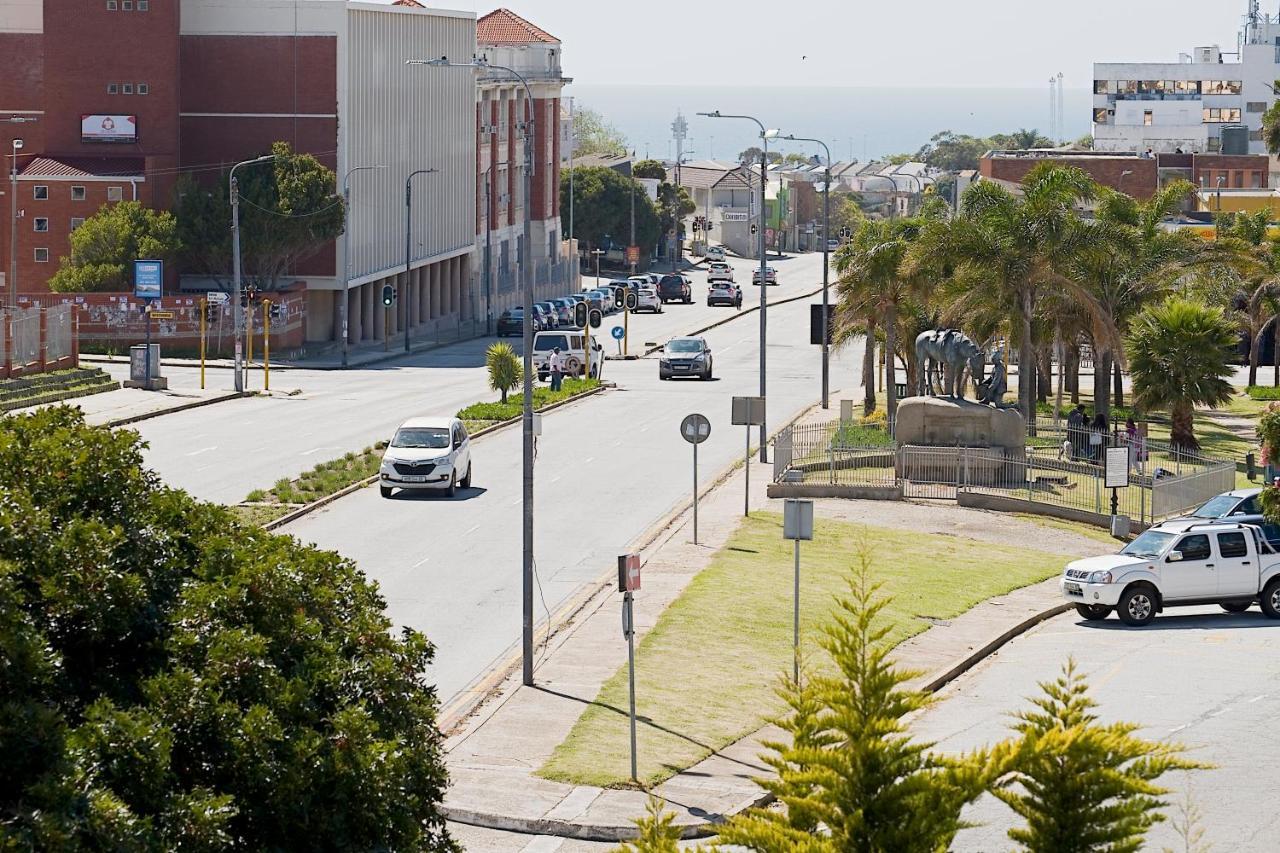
<point>472,530</point>
<point>1174,731</point>
<point>420,562</point>
<point>1257,698</point>
<point>589,460</point>
<point>202,450</point>
<point>311,452</point>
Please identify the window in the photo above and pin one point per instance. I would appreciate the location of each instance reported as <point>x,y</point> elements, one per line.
<point>1256,107</point>
<point>40,193</point>
<point>1147,117</point>
<point>1100,115</point>
<point>1221,115</point>
<point>115,193</point>
<point>41,224</point>
<point>1255,135</point>
<point>1249,506</point>
<point>1101,87</point>
<point>144,5</point>
<point>42,256</point>
<point>1194,548</point>
<point>1214,145</point>
<point>126,88</point>
<point>144,89</point>
<point>1232,545</point>
<point>126,5</point>
<point>1220,87</point>
<point>76,222</point>
<point>77,193</point>
<point>113,88</point>
<point>111,5</point>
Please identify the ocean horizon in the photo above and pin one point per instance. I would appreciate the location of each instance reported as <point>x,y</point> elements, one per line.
<point>856,122</point>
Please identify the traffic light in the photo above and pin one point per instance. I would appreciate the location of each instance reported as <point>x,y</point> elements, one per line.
<point>618,299</point>
<point>580,315</point>
<point>755,229</point>
<point>632,301</point>
<point>277,311</point>
<point>696,227</point>
<point>388,295</point>
<point>596,318</point>
<point>210,312</point>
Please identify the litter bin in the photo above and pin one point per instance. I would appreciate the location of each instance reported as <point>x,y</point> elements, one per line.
<point>144,372</point>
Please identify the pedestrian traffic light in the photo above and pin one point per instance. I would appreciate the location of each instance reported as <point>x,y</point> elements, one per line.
<point>388,295</point>
<point>597,317</point>
<point>580,315</point>
<point>632,301</point>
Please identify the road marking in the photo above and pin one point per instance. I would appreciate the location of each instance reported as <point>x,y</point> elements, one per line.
<point>589,460</point>
<point>1174,731</point>
<point>1257,698</point>
<point>420,562</point>
<point>472,530</point>
<point>202,450</point>
<point>312,451</point>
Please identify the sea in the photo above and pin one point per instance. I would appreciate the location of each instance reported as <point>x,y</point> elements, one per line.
<point>856,122</point>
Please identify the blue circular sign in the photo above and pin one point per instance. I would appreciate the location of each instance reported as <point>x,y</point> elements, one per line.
<point>618,333</point>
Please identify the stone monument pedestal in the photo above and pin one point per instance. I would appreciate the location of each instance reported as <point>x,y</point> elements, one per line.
<point>942,439</point>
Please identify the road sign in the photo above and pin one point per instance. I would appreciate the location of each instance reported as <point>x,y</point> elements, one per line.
<point>633,254</point>
<point>618,333</point>
<point>815,325</point>
<point>695,428</point>
<point>797,520</point>
<point>217,297</point>
<point>162,315</point>
<point>1117,476</point>
<point>748,411</point>
<point>596,318</point>
<point>628,572</point>
<point>148,276</point>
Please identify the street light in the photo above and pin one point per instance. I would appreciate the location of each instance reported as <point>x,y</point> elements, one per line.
<point>765,135</point>
<point>482,63</point>
<point>237,314</point>
<point>408,291</point>
<point>1120,184</point>
<point>346,251</point>
<point>12,283</point>
<point>826,262</point>
<point>1221,180</point>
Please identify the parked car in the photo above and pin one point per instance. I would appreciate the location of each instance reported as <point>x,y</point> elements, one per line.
<point>552,314</point>
<point>715,253</point>
<point>685,357</point>
<point>571,347</point>
<point>833,244</point>
<point>647,300</point>
<point>1240,505</point>
<point>719,271</point>
<point>427,453</point>
<point>725,293</point>
<point>564,310</point>
<point>1176,564</point>
<point>511,322</point>
<point>595,300</point>
<point>770,276</point>
<point>638,281</point>
<point>542,317</point>
<point>675,288</point>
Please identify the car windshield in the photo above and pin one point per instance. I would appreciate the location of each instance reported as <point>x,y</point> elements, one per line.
<point>684,346</point>
<point>548,342</point>
<point>434,438</point>
<point>1218,507</point>
<point>1149,544</point>
<point>515,312</point>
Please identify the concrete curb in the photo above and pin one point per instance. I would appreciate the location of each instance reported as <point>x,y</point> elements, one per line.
<point>194,404</point>
<point>614,833</point>
<point>369,481</point>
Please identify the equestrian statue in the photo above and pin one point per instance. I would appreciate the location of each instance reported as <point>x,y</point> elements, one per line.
<point>943,354</point>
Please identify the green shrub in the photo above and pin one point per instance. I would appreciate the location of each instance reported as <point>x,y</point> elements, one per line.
<point>1265,393</point>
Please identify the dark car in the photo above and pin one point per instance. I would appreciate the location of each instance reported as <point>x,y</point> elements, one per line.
<point>675,288</point>
<point>1241,505</point>
<point>542,318</point>
<point>511,322</point>
<point>725,293</point>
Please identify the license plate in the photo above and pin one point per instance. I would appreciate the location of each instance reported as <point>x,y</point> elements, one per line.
<point>414,478</point>
<point>682,367</point>
<point>1073,589</point>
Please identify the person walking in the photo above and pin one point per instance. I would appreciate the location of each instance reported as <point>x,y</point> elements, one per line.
<point>556,364</point>
<point>1097,437</point>
<point>1075,429</point>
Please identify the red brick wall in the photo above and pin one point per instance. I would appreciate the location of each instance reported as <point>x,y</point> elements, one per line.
<point>1239,171</point>
<point>259,74</point>
<point>1105,170</point>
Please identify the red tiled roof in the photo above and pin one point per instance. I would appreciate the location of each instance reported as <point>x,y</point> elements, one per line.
<point>502,26</point>
<point>83,167</point>
<point>414,3</point>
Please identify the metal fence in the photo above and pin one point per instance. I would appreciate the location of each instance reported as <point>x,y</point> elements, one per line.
<point>58,332</point>
<point>25,324</point>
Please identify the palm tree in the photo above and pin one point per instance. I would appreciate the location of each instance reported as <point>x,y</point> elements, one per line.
<point>1244,246</point>
<point>1180,358</point>
<point>1271,129</point>
<point>505,369</point>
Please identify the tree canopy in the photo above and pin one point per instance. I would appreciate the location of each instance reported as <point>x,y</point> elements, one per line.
<point>593,134</point>
<point>289,211</point>
<point>649,169</point>
<point>602,201</point>
<point>104,248</point>
<point>173,680</point>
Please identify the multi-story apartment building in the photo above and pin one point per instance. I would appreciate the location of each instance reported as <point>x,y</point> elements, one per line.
<point>1208,101</point>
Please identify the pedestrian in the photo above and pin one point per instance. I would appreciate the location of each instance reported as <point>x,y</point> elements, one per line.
<point>1075,427</point>
<point>1066,451</point>
<point>1133,439</point>
<point>556,364</point>
<point>1097,435</point>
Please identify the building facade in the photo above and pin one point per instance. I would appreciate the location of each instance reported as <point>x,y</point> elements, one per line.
<point>1132,172</point>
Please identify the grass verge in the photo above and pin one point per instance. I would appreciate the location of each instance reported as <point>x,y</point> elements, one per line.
<point>260,514</point>
<point>707,672</point>
<point>543,396</point>
<point>321,481</point>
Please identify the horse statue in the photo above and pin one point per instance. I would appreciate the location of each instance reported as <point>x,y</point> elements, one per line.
<point>944,354</point>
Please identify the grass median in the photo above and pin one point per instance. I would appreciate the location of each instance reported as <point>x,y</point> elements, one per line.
<point>480,415</point>
<point>707,672</point>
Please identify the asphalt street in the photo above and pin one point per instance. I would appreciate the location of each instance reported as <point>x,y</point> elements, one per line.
<point>607,469</point>
<point>1197,676</point>
<point>223,452</point>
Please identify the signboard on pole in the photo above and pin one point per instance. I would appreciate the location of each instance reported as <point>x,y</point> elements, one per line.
<point>148,276</point>
<point>748,411</point>
<point>1117,472</point>
<point>217,297</point>
<point>633,254</point>
<point>695,428</point>
<point>797,520</point>
<point>628,572</point>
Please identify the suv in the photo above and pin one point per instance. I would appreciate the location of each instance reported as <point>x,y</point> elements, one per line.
<point>647,300</point>
<point>570,343</point>
<point>675,288</point>
<point>770,276</point>
<point>685,357</point>
<point>719,271</point>
<point>1176,564</point>
<point>715,253</point>
<point>725,293</point>
<point>427,453</point>
<point>511,322</point>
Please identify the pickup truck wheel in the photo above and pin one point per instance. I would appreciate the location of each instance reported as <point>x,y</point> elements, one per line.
<point>1137,606</point>
<point>1093,612</point>
<point>1236,606</point>
<point>1271,599</point>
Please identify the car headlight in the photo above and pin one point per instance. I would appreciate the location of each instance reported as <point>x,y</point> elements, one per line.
<point>1100,577</point>
<point>664,362</point>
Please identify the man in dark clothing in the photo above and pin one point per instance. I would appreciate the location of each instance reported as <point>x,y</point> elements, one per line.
<point>1076,422</point>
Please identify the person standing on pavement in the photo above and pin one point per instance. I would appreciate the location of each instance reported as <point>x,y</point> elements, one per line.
<point>556,365</point>
<point>1075,424</point>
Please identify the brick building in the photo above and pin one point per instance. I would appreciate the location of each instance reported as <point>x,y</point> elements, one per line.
<point>1131,172</point>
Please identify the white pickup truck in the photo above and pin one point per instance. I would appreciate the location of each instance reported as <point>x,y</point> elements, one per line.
<point>1176,564</point>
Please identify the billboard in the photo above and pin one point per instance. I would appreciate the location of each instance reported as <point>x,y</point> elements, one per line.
<point>105,128</point>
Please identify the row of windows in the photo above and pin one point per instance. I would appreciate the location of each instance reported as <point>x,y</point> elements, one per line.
<point>1212,115</point>
<point>128,88</point>
<point>40,192</point>
<point>41,224</point>
<point>1167,87</point>
<point>128,5</point>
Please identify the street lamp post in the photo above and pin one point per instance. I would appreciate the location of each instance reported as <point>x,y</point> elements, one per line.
<point>346,251</point>
<point>408,218</point>
<point>11,283</point>
<point>237,314</point>
<point>482,63</point>
<point>1221,181</point>
<point>765,135</point>
<point>1120,184</point>
<point>826,267</point>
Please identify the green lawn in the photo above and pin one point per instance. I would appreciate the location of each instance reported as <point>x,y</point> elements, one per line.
<point>707,672</point>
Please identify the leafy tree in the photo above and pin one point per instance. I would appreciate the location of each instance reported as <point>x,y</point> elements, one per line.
<point>899,159</point>
<point>1022,139</point>
<point>795,159</point>
<point>1271,128</point>
<point>602,200</point>
<point>851,777</point>
<point>104,248</point>
<point>1246,249</point>
<point>846,213</point>
<point>1083,787</point>
<point>1180,358</point>
<point>953,152</point>
<point>593,134</point>
<point>505,369</point>
<point>751,156</point>
<point>289,210</point>
<point>649,169</point>
<point>674,204</point>
<point>173,680</point>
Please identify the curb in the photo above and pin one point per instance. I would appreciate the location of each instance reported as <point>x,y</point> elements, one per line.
<point>195,404</point>
<point>298,513</point>
<point>614,833</point>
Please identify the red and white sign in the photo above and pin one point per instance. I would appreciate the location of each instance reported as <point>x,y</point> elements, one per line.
<point>628,572</point>
<point>109,128</point>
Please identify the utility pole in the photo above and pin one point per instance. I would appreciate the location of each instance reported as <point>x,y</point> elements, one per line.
<point>346,251</point>
<point>237,315</point>
<point>408,218</point>
<point>11,283</point>
<point>826,268</point>
<point>680,130</point>
<point>633,216</point>
<point>573,144</point>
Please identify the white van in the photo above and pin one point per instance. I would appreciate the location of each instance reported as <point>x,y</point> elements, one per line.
<point>570,343</point>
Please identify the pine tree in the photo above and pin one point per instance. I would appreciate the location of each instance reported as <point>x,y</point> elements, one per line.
<point>1081,786</point>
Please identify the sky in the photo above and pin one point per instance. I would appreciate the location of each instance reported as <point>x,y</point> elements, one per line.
<point>878,43</point>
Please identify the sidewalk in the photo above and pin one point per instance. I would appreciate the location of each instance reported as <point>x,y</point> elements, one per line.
<point>493,758</point>
<point>130,405</point>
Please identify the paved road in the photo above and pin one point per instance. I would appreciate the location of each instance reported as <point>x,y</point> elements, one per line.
<point>608,468</point>
<point>1199,676</point>
<point>222,452</point>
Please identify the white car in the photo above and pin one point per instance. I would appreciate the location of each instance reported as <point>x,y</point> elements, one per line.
<point>1177,564</point>
<point>647,300</point>
<point>715,253</point>
<point>719,271</point>
<point>427,453</point>
<point>571,347</point>
<point>770,276</point>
